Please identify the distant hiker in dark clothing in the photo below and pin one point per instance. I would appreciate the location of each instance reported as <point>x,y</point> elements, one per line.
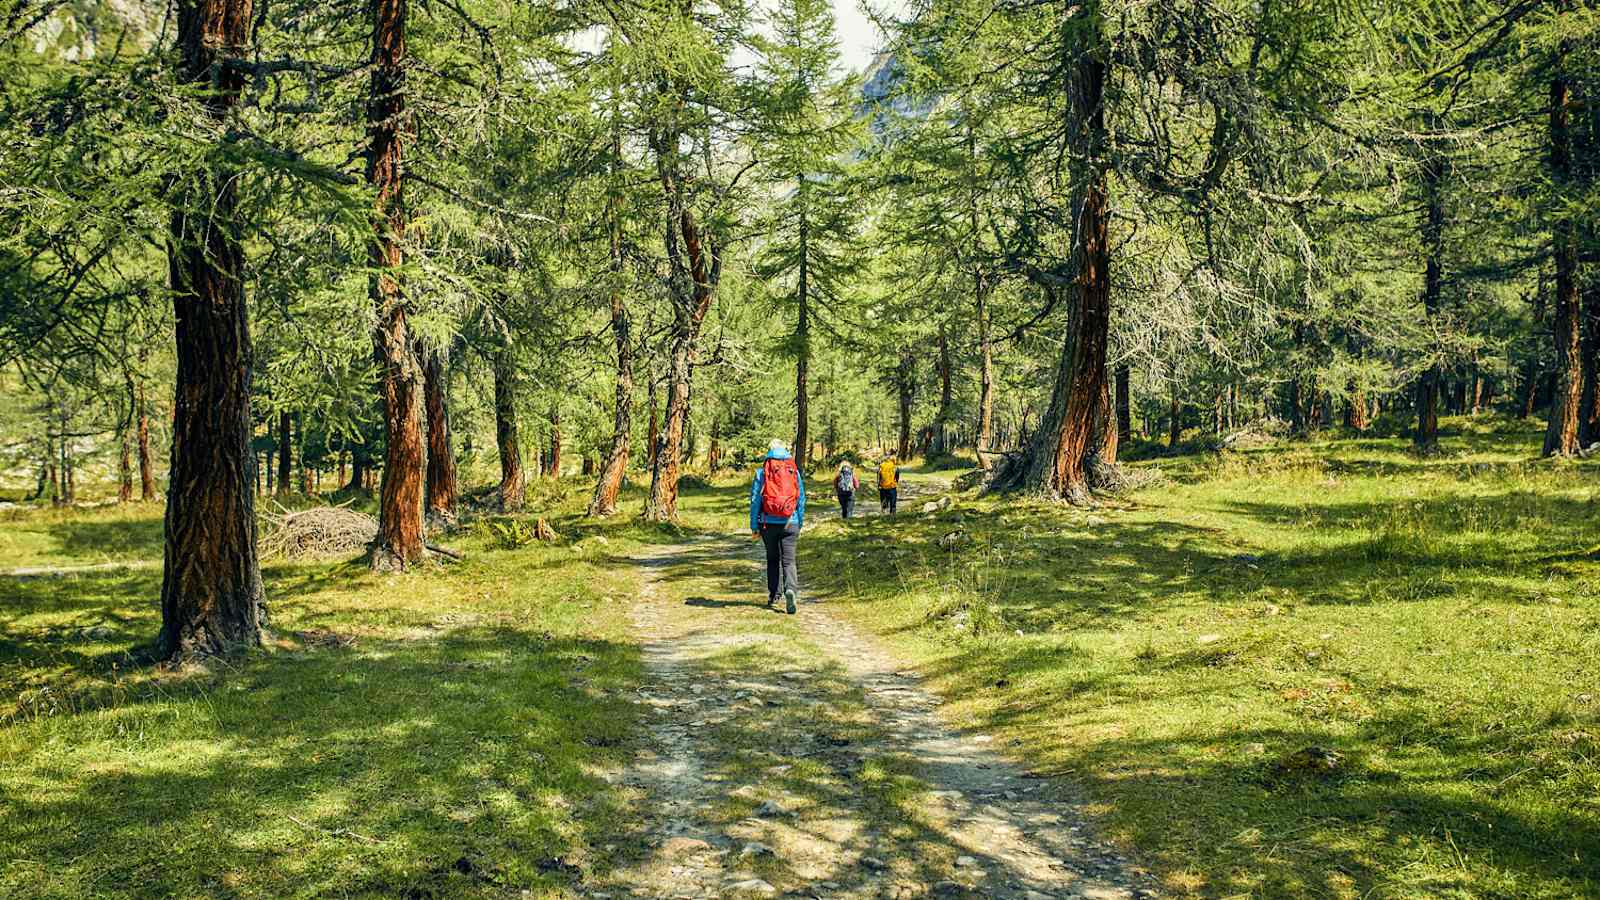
<point>845,485</point>
<point>888,484</point>
<point>777,510</point>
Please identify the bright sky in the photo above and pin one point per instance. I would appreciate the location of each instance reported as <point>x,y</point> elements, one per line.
<point>859,39</point>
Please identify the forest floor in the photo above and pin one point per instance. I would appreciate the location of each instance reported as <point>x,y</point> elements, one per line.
<point>1326,669</point>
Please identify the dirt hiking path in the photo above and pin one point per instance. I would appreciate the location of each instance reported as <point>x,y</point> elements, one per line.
<point>791,756</point>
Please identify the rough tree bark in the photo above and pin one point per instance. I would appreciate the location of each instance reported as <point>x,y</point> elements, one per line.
<point>1561,435</point>
<point>442,487</point>
<point>512,483</point>
<point>1057,468</point>
<point>1589,405</point>
<point>211,595</point>
<point>554,470</point>
<point>604,502</point>
<point>1355,413</point>
<point>399,542</point>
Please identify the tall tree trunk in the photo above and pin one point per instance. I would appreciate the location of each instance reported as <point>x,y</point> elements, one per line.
<point>1589,404</point>
<point>285,454</point>
<point>802,337</point>
<point>506,438</point>
<point>1124,404</point>
<point>211,595</point>
<point>905,384</point>
<point>399,542</point>
<point>696,268</point>
<point>555,443</point>
<point>125,468</point>
<point>604,502</point>
<point>1057,469</point>
<point>442,487</point>
<point>1561,436</point>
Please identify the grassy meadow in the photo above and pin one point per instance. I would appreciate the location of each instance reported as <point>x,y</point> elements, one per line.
<point>1433,624</point>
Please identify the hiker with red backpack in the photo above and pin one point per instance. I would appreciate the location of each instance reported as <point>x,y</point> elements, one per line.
<point>777,510</point>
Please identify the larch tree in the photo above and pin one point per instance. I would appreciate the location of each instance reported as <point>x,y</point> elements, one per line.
<point>211,592</point>
<point>807,132</point>
<point>399,542</point>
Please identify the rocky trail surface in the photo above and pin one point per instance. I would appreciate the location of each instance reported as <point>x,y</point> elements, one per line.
<point>792,756</point>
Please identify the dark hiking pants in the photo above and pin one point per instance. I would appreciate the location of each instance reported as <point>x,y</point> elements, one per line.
<point>847,503</point>
<point>888,498</point>
<point>780,541</point>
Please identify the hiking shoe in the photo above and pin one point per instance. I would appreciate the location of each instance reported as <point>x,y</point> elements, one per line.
<point>788,600</point>
<point>770,601</point>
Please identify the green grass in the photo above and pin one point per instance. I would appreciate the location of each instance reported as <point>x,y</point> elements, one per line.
<point>1435,620</point>
<point>437,733</point>
<point>444,733</point>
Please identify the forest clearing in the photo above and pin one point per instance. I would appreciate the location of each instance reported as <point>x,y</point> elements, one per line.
<point>1166,434</point>
<point>474,729</point>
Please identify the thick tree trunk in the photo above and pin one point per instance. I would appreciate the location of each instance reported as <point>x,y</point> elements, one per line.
<point>1561,435</point>
<point>399,542</point>
<point>1058,469</point>
<point>604,502</point>
<point>1355,414</point>
<point>905,385</point>
<point>285,442</point>
<point>211,595</point>
<point>696,270</point>
<point>442,487</point>
<point>1100,467</point>
<point>506,438</point>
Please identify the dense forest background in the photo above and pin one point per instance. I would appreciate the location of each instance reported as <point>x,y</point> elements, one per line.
<point>438,251</point>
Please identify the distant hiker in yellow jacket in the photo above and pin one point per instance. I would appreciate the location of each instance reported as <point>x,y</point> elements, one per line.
<point>888,484</point>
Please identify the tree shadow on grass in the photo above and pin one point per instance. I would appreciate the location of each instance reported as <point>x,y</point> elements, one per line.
<point>461,765</point>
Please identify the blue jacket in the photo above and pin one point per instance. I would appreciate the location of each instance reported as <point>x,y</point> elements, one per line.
<point>756,518</point>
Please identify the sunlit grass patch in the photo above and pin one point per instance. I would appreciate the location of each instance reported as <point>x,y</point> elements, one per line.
<point>438,732</point>
<point>1433,622</point>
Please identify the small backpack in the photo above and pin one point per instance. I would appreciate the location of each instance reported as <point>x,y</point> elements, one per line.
<point>780,488</point>
<point>846,482</point>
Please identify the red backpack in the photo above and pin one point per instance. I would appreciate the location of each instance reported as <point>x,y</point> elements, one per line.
<point>780,488</point>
